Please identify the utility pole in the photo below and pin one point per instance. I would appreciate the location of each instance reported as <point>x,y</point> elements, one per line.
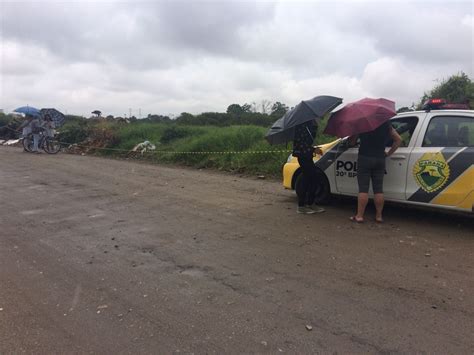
<point>130,112</point>
<point>140,113</point>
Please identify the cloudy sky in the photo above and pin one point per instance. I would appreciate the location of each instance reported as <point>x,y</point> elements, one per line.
<point>168,57</point>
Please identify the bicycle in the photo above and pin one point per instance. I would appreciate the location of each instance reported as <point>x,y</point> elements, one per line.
<point>50,145</point>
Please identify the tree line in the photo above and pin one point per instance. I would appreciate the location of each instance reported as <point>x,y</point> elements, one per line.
<point>458,88</point>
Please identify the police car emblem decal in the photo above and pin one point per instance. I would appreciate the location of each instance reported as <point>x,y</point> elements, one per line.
<point>431,171</point>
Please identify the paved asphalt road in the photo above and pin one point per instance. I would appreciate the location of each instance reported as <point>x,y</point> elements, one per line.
<point>107,256</point>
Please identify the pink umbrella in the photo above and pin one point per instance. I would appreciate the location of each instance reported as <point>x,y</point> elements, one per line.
<point>359,117</point>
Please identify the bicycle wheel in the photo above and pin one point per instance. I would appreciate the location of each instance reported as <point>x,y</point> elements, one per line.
<point>51,145</point>
<point>28,143</point>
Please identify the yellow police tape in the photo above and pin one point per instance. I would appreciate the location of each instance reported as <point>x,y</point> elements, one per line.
<point>178,152</point>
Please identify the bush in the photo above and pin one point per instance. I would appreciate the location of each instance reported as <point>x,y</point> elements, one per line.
<point>8,125</point>
<point>172,133</point>
<point>74,132</point>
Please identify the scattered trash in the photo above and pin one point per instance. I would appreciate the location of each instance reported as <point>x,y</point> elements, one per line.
<point>308,327</point>
<point>102,306</point>
<point>261,177</point>
<point>427,254</point>
<point>264,343</point>
<point>143,147</point>
<point>10,142</point>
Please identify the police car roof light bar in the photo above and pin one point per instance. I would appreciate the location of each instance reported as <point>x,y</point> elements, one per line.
<point>437,104</point>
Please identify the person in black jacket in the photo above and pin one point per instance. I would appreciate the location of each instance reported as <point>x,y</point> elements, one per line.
<point>304,150</point>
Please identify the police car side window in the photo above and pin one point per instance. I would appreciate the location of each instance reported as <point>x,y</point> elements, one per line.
<point>405,126</point>
<point>450,131</point>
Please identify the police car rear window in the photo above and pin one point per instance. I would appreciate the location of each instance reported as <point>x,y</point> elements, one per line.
<point>450,131</point>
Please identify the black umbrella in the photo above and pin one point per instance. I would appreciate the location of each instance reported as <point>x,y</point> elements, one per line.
<point>57,117</point>
<point>283,130</point>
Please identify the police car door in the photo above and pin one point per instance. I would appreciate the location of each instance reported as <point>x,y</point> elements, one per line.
<point>441,165</point>
<point>396,166</point>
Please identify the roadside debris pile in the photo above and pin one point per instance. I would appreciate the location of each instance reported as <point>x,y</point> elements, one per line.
<point>11,142</point>
<point>98,139</point>
<point>76,149</point>
<point>91,146</point>
<point>86,147</point>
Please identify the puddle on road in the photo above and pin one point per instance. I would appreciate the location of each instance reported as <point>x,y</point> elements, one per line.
<point>35,187</point>
<point>96,215</point>
<point>30,212</point>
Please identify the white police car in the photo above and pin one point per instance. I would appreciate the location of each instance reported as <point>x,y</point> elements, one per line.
<point>434,166</point>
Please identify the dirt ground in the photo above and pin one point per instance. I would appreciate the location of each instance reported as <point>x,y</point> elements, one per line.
<point>108,256</point>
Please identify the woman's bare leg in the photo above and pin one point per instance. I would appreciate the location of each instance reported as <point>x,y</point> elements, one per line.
<point>362,200</point>
<point>379,202</point>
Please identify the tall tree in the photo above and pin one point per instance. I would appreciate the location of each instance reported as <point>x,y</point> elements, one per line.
<point>265,106</point>
<point>247,108</point>
<point>278,109</point>
<point>235,109</point>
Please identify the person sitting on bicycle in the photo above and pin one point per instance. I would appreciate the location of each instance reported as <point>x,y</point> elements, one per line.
<point>32,125</point>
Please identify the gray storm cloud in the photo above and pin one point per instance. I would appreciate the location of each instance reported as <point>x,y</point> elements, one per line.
<point>175,56</point>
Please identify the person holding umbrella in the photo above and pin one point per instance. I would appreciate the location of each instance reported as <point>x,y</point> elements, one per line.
<point>31,125</point>
<point>48,125</point>
<point>367,119</point>
<point>371,167</point>
<point>304,150</point>
<point>300,125</point>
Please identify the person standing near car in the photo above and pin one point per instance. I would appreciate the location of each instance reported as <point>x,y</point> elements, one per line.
<point>304,150</point>
<point>371,167</point>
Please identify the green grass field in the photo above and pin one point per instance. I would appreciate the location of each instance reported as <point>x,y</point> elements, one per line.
<point>232,148</point>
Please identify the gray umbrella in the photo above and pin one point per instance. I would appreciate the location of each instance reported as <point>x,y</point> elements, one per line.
<point>283,130</point>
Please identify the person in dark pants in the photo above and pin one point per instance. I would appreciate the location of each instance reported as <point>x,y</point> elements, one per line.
<point>304,150</point>
<point>371,167</point>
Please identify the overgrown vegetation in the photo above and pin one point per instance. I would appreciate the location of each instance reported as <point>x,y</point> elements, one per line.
<point>230,148</point>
